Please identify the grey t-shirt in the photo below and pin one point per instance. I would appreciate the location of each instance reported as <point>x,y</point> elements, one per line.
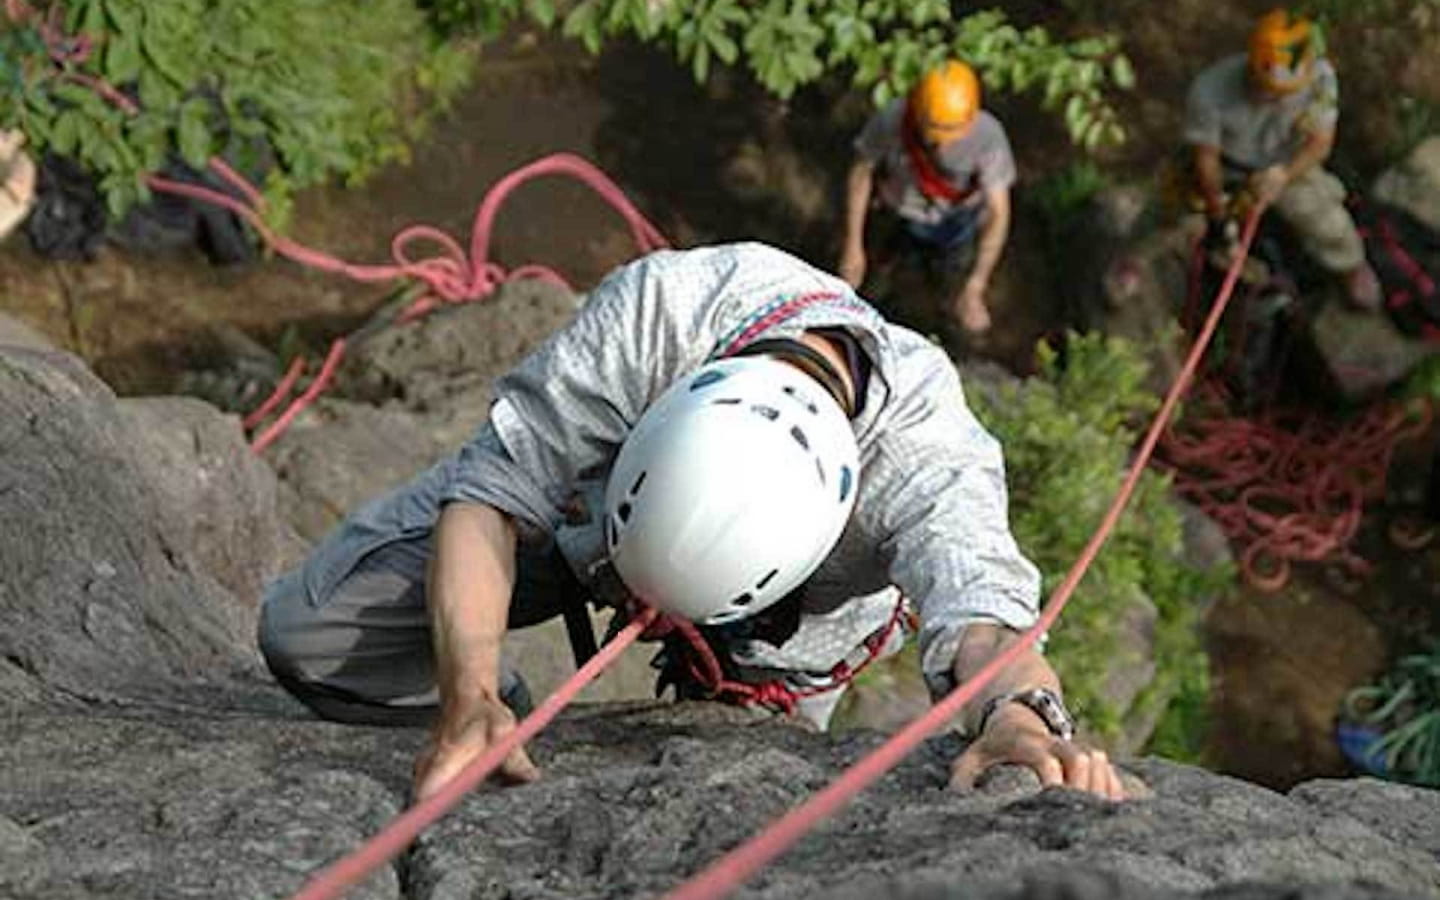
<point>1251,131</point>
<point>979,161</point>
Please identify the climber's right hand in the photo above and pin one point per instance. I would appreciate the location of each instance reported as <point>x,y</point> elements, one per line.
<point>461,736</point>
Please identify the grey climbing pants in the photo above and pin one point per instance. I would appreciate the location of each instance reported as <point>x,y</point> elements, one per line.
<point>364,654</point>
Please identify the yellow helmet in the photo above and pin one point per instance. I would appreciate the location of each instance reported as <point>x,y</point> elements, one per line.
<point>1283,50</point>
<point>945,102</point>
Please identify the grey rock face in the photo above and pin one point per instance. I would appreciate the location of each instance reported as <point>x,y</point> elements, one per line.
<point>214,494</point>
<point>183,802</point>
<point>1362,352</point>
<point>1414,183</point>
<point>406,396</point>
<point>143,755</point>
<point>99,598</point>
<point>14,333</point>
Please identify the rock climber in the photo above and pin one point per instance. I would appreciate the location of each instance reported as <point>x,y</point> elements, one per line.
<point>944,171</point>
<point>733,437</point>
<point>1261,125</point>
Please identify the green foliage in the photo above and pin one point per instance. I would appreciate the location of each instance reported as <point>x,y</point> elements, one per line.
<point>1423,382</point>
<point>332,85</point>
<point>1061,195</point>
<point>1067,436</point>
<point>1405,706</point>
<point>884,44</point>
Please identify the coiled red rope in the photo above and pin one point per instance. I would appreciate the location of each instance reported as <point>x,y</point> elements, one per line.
<point>1286,491</point>
<point>1283,487</point>
<point>451,277</point>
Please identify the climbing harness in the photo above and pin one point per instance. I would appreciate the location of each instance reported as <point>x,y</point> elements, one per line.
<point>691,656</point>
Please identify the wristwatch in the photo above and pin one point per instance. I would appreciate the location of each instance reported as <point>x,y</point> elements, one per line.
<point>1044,702</point>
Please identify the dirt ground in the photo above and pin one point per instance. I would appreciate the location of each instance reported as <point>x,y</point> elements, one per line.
<point>721,163</point>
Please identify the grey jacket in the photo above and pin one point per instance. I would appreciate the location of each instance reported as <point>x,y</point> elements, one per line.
<point>930,516</point>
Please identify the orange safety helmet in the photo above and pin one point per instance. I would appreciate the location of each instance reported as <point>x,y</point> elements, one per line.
<point>1283,50</point>
<point>944,103</point>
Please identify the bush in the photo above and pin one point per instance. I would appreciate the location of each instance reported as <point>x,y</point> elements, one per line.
<point>332,86</point>
<point>884,45</point>
<point>1068,435</point>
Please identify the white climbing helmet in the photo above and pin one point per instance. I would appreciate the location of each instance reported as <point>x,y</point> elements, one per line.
<point>732,489</point>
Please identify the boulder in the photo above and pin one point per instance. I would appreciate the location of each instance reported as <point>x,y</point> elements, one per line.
<point>1361,353</point>
<point>1414,183</point>
<point>338,454</point>
<point>214,494</point>
<point>406,396</point>
<point>15,333</point>
<point>103,596</point>
<point>1141,292</point>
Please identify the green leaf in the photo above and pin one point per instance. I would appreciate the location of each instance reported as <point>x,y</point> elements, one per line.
<point>65,137</point>
<point>1122,72</point>
<point>87,17</point>
<point>725,47</point>
<point>543,11</point>
<point>193,133</point>
<point>583,23</point>
<point>124,15</point>
<point>700,64</point>
<point>122,58</point>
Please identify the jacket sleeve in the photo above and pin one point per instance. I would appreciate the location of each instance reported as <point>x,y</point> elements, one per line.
<point>941,500</point>
<point>565,409</point>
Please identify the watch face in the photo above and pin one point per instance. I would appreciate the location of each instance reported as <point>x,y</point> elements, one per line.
<point>1047,705</point>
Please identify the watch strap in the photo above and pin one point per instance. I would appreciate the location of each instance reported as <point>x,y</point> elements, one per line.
<point>1044,702</point>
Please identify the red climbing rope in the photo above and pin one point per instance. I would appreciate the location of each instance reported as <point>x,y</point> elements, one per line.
<point>451,277</point>
<point>395,837</point>
<point>1283,486</point>
<point>735,867</point>
<point>1287,491</point>
<point>705,669</point>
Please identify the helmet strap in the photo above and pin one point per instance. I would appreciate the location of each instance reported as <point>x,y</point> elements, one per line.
<point>807,360</point>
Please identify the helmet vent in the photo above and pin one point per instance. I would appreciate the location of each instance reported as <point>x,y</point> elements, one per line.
<point>768,412</point>
<point>726,401</point>
<point>635,488</point>
<point>820,469</point>
<point>623,511</point>
<point>790,389</point>
<point>800,437</point>
<point>766,580</point>
<point>610,534</point>
<point>705,379</point>
<point>845,480</point>
<point>744,599</point>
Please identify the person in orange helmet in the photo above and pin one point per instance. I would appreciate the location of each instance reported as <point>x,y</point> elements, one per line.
<point>943,167</point>
<point>1263,122</point>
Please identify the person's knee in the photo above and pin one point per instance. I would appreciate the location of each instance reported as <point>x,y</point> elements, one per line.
<point>277,644</point>
<point>278,635</point>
